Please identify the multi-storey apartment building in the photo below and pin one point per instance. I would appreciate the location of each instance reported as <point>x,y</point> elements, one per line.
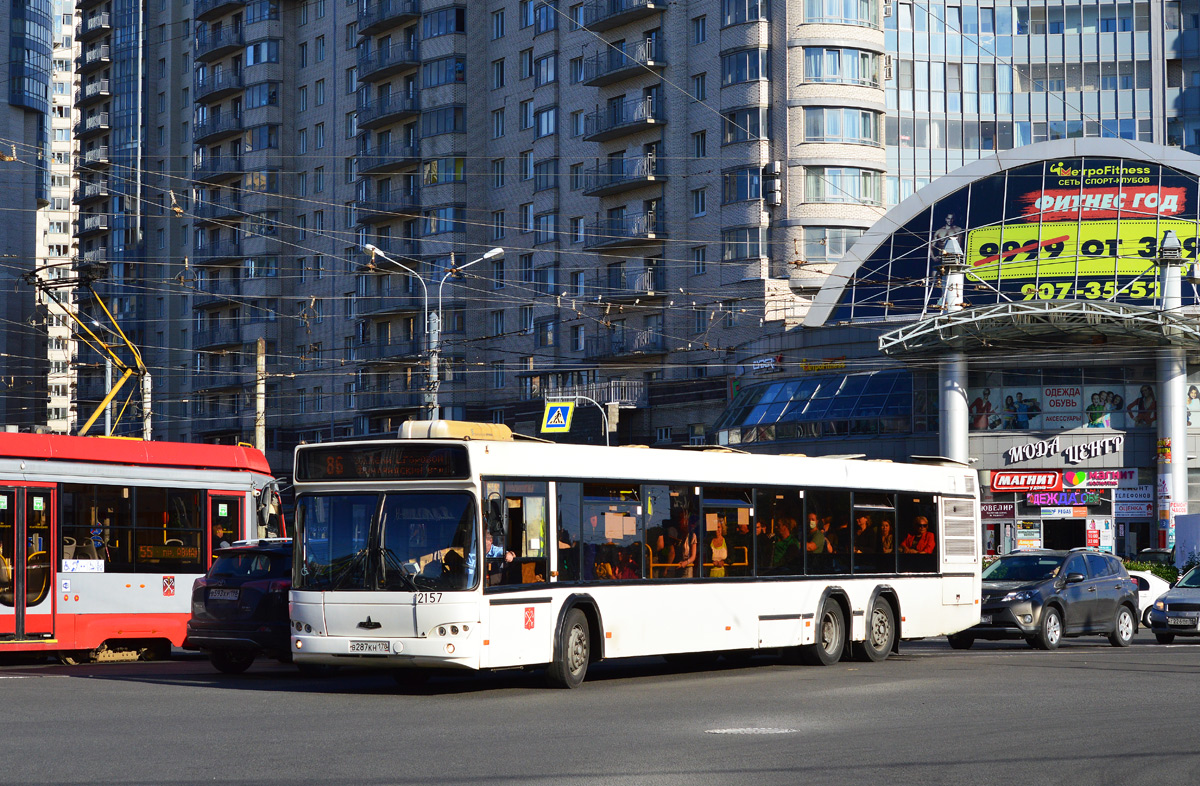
<point>24,179</point>
<point>55,230</point>
<point>670,181</point>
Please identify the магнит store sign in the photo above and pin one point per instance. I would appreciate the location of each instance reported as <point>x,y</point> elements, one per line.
<point>1026,481</point>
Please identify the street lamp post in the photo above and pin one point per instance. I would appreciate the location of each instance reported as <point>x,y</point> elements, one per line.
<point>432,321</point>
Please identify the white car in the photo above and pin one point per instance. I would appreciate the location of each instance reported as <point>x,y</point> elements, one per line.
<point>1150,589</point>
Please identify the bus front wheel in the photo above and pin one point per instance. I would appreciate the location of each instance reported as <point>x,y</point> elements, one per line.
<point>573,652</point>
<point>831,637</point>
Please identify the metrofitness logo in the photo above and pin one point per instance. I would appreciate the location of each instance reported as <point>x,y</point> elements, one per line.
<point>1026,481</point>
<point>1063,171</point>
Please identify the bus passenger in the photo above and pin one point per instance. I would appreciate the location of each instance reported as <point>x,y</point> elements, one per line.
<point>920,542</point>
<point>687,545</point>
<point>740,543</point>
<point>718,549</point>
<point>786,551</point>
<point>219,537</point>
<point>887,538</point>
<point>865,537</point>
<point>763,546</point>
<point>816,536</point>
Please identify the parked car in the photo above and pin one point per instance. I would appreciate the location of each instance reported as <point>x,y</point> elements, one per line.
<point>1156,556</point>
<point>240,608</point>
<point>1150,589</point>
<point>1042,596</point>
<point>1177,613</point>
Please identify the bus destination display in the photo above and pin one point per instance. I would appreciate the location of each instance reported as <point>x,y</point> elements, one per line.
<point>385,462</point>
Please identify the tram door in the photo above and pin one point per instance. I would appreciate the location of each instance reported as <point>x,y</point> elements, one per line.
<point>27,550</point>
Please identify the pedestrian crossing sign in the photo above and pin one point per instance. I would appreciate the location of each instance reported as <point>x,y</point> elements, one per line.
<point>557,417</point>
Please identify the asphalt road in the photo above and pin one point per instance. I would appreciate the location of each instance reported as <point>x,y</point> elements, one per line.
<point>999,713</point>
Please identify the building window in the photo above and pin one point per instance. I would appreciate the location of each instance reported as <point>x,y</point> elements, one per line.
<point>497,225</point>
<point>742,125</point>
<point>843,184</point>
<point>841,124</point>
<point>699,87</point>
<point>700,144</point>
<point>741,185</point>
<point>497,384</point>
<point>498,74</point>
<point>699,260</point>
<point>748,65</point>
<point>497,24</point>
<point>699,29</point>
<point>698,202</point>
<point>498,173</point>
<point>743,243</point>
<point>497,323</point>
<point>497,123</point>
<point>577,339</point>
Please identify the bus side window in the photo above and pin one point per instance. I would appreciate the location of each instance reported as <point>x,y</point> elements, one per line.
<point>569,500</point>
<point>917,534</point>
<point>525,507</point>
<point>829,551</point>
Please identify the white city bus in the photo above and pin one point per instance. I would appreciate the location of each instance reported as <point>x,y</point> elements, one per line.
<point>458,546</point>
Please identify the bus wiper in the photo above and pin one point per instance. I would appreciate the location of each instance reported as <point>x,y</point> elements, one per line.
<point>393,565</point>
<point>350,568</point>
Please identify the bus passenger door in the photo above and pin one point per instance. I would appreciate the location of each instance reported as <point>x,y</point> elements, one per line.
<point>225,522</point>
<point>27,566</point>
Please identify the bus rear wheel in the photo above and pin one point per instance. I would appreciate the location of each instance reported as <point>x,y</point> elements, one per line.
<point>573,652</point>
<point>831,637</point>
<point>881,634</point>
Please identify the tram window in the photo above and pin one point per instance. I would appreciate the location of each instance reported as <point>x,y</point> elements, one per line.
<point>99,518</point>
<point>168,529</point>
<point>779,535</point>
<point>874,532</point>
<point>611,538</point>
<point>727,515</point>
<point>523,533</point>
<point>917,534</point>
<point>133,529</point>
<point>569,499</point>
<point>828,552</point>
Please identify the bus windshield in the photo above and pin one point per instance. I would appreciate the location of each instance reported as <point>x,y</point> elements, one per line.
<point>396,541</point>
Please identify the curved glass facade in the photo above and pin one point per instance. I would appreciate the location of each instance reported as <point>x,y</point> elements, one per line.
<point>29,76</point>
<point>893,401</point>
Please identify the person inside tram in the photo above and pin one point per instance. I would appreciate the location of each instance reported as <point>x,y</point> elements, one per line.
<point>922,541</point>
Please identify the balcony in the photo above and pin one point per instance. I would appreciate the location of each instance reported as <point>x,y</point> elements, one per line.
<point>606,14</point>
<point>210,9</point>
<point>89,191</point>
<point>210,293</point>
<point>375,16</point>
<point>92,92</point>
<point>387,158</point>
<point>220,336</point>
<point>220,421</point>
<point>94,57</point>
<point>218,43</point>
<point>226,378</point>
<point>92,26</point>
<point>623,174</point>
<point>218,85</point>
<point>388,207</point>
<point>373,397</point>
<point>624,392</point>
<point>636,284</point>
<point>624,231</point>
<point>92,223</point>
<point>95,157</point>
<point>624,117</point>
<point>211,211</point>
<point>215,168</point>
<point>623,343</point>
<point>613,65</point>
<point>395,350</point>
<point>389,109</point>
<point>96,124</point>
<point>217,127</point>
<point>219,251</point>
<point>388,303</point>
<point>381,63</point>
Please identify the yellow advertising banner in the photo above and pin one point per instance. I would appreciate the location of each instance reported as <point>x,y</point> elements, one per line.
<point>1071,252</point>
